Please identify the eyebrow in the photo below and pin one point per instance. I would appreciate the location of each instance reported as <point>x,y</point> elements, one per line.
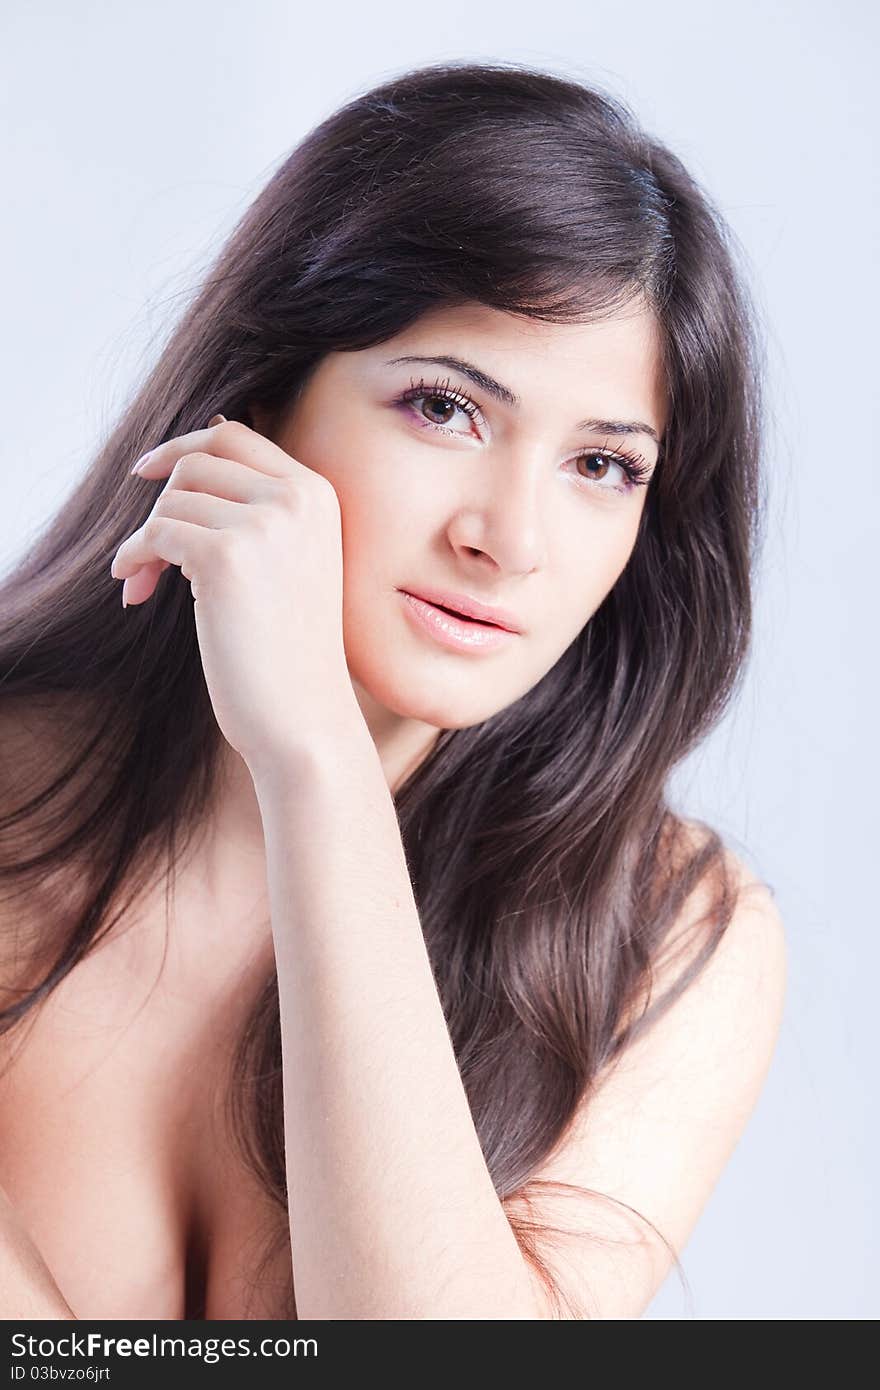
<point>507,397</point>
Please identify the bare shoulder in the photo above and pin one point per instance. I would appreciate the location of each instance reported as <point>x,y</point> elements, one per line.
<point>660,1126</point>
<point>751,955</point>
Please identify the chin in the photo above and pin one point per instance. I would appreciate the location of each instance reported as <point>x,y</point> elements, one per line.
<point>424,700</point>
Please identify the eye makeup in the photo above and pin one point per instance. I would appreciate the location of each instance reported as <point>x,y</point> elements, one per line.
<point>635,469</point>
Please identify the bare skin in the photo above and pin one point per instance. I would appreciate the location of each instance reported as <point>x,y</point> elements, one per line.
<point>115,1153</point>
<point>501,509</point>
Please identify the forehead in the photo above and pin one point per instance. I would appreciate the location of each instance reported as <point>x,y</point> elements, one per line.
<point>612,367</point>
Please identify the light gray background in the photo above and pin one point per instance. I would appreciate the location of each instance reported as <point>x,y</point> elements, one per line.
<point>133,140</point>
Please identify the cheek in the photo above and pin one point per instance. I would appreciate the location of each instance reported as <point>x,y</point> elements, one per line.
<point>374,520</point>
<point>389,508</point>
<point>595,566</point>
<point>616,549</point>
<point>331,442</point>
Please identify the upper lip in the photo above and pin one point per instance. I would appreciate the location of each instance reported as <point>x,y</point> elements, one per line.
<point>469,607</point>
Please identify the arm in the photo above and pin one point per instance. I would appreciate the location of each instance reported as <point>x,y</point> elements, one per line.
<point>393,1213</point>
<point>27,1289</point>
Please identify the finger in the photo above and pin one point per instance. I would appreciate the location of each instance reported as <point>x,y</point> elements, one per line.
<point>221,477</point>
<point>139,586</point>
<point>165,538</point>
<point>231,439</point>
<point>197,508</point>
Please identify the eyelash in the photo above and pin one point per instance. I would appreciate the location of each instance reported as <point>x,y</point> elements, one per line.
<point>634,467</point>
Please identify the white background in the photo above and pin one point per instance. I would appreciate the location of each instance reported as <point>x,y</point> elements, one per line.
<point>133,140</point>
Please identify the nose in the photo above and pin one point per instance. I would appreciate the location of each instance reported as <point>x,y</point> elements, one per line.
<point>503,520</point>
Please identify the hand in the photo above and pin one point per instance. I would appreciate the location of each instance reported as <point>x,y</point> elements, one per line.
<point>259,537</point>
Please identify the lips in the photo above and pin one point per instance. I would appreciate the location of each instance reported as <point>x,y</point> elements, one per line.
<point>452,630</point>
<point>456,613</point>
<point>464,607</point>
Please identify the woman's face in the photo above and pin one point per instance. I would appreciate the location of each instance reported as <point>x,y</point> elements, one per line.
<point>512,501</point>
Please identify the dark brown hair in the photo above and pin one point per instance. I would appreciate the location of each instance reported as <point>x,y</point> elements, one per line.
<point>547,863</point>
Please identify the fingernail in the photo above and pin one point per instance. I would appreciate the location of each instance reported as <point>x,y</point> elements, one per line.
<point>144,458</point>
<point>125,594</point>
<point>217,420</point>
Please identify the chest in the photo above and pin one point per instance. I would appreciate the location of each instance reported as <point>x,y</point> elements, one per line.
<point>116,1150</point>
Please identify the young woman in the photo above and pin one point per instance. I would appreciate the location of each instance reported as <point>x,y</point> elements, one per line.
<point>349,940</point>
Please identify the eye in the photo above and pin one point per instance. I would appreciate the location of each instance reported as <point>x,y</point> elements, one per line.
<point>633,467</point>
<point>436,405</point>
<point>605,462</point>
<point>439,405</point>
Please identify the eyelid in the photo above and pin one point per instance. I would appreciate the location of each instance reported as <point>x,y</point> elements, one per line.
<point>422,389</point>
<point>633,465</point>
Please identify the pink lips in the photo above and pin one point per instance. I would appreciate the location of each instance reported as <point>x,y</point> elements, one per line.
<point>458,634</point>
<point>468,607</point>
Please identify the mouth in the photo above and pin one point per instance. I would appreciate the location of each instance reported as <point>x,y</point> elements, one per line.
<point>452,628</point>
<point>467,609</point>
<point>462,617</point>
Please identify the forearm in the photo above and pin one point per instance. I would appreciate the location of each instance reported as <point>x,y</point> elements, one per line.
<point>27,1289</point>
<point>393,1213</point>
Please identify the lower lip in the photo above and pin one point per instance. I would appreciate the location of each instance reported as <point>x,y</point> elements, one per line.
<point>459,634</point>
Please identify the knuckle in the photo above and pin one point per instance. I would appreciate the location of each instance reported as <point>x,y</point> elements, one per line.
<point>330,499</point>
<point>225,548</point>
<point>289,493</point>
<point>180,472</point>
<point>261,520</point>
<point>183,465</point>
<point>164,503</point>
<point>322,490</point>
<point>228,428</point>
<point>327,490</point>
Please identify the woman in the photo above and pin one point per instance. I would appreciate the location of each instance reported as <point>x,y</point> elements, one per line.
<point>348,942</point>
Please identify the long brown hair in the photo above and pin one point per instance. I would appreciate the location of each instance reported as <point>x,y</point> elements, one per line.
<point>541,842</point>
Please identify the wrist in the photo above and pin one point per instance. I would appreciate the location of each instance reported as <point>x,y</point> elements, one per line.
<point>329,755</point>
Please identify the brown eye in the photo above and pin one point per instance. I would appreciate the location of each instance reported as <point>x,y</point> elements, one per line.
<point>604,464</point>
<point>440,404</point>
